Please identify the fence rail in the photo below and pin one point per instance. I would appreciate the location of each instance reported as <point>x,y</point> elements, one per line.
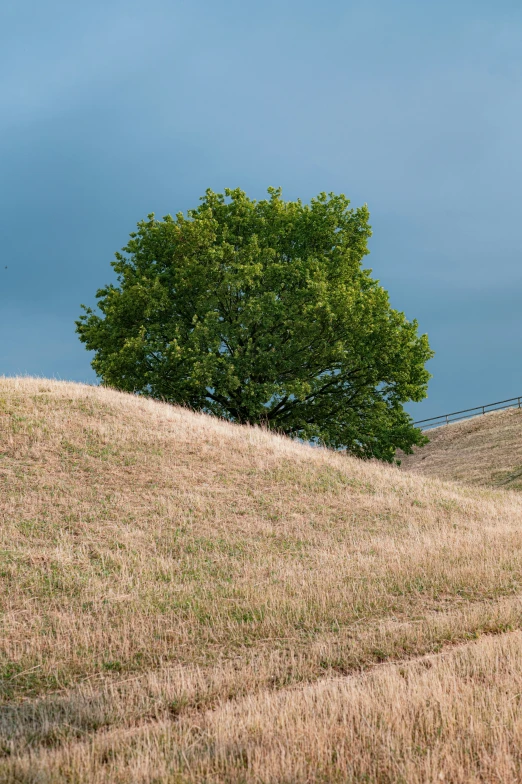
<point>467,413</point>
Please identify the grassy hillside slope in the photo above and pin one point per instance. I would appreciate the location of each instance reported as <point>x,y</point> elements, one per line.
<point>186,600</point>
<point>485,450</point>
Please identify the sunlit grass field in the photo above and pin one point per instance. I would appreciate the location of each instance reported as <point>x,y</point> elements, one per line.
<point>185,600</point>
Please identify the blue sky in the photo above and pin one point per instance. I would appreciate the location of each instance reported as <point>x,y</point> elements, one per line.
<point>110,110</point>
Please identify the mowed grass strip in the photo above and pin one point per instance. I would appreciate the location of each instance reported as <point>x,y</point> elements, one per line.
<point>155,562</point>
<point>453,717</point>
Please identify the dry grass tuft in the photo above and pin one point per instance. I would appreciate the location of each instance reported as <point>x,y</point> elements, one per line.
<point>180,596</point>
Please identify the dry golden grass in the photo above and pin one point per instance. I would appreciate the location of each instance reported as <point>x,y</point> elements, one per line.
<point>452,717</point>
<point>180,596</point>
<point>485,450</point>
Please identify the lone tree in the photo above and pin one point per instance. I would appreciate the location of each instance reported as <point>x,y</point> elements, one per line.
<point>261,312</point>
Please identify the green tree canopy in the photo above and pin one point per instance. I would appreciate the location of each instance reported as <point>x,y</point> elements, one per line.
<point>261,312</point>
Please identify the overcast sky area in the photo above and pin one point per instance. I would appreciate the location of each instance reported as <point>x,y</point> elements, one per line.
<point>111,110</point>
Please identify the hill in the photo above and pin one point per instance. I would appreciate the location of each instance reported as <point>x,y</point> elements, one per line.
<point>186,600</point>
<point>484,450</point>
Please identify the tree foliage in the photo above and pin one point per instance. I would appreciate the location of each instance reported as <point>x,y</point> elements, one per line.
<point>261,312</point>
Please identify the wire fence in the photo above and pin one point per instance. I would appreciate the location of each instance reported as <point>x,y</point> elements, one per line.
<point>467,413</point>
